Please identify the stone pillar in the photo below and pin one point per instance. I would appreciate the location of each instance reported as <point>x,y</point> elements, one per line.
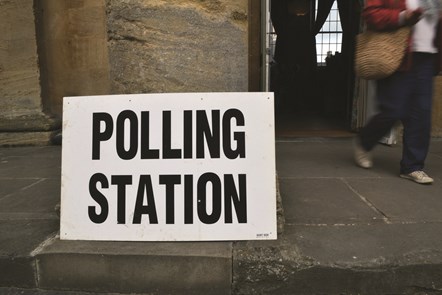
<point>22,120</point>
<point>72,43</point>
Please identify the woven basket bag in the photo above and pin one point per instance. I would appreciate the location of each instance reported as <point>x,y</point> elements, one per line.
<point>379,54</point>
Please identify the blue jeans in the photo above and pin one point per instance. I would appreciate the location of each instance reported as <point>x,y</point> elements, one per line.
<point>405,96</point>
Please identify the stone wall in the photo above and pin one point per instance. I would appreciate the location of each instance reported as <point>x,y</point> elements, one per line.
<point>178,46</point>
<point>437,108</point>
<point>88,47</point>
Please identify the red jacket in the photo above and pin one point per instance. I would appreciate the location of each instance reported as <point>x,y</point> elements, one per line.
<point>384,15</point>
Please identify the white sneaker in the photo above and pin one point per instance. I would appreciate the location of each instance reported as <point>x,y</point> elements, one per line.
<point>419,177</point>
<point>362,157</point>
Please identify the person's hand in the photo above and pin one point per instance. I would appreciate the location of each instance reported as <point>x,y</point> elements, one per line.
<point>413,16</point>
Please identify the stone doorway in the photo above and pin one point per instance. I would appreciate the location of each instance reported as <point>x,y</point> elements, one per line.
<point>310,103</point>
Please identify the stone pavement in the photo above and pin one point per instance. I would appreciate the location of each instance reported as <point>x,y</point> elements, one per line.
<point>347,231</point>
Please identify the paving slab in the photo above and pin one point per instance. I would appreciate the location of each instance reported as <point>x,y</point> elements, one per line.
<point>324,201</point>
<point>436,146</point>
<point>433,165</point>
<point>11,186</point>
<point>30,162</point>
<point>40,196</point>
<point>401,200</point>
<point>331,159</point>
<point>369,246</point>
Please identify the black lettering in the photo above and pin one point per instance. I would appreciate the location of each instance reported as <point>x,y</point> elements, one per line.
<point>170,181</point>
<point>188,152</point>
<point>133,138</point>
<point>145,189</point>
<point>239,137</point>
<point>97,135</point>
<point>239,200</point>
<point>168,152</point>
<point>121,181</point>
<point>212,136</point>
<point>188,199</point>
<point>202,198</point>
<point>146,152</point>
<point>99,198</point>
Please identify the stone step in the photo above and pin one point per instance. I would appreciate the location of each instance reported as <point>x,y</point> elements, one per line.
<point>135,267</point>
<point>19,237</point>
<point>342,259</point>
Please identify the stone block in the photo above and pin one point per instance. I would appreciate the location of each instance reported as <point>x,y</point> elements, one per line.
<point>180,46</point>
<point>25,138</point>
<point>17,272</point>
<point>130,267</point>
<point>18,238</point>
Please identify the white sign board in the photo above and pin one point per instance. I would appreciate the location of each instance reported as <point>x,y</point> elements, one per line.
<point>168,167</point>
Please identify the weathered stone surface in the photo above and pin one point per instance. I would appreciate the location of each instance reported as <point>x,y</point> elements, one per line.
<point>279,208</point>
<point>177,46</point>
<point>30,121</point>
<point>437,108</point>
<point>340,259</point>
<point>19,74</point>
<point>17,267</point>
<point>25,138</point>
<point>375,235</point>
<point>128,267</point>
<point>72,49</point>
<point>20,91</point>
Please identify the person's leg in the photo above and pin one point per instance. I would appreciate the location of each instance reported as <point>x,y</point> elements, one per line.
<point>417,126</point>
<point>393,94</point>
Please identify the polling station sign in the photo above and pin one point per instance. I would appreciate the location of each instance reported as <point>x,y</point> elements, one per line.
<point>168,167</point>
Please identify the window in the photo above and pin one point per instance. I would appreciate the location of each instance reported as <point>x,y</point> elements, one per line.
<point>329,39</point>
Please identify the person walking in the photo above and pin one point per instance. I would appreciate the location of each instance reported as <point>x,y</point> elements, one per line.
<point>407,94</point>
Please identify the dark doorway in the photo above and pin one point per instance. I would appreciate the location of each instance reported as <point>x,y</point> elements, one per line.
<point>311,48</point>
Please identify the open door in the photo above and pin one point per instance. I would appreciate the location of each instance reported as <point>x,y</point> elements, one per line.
<point>306,50</point>
<point>311,105</point>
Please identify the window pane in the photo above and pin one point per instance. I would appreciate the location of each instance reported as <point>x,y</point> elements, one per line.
<point>333,48</point>
<point>330,37</point>
<point>333,15</point>
<point>333,38</point>
<point>339,28</point>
